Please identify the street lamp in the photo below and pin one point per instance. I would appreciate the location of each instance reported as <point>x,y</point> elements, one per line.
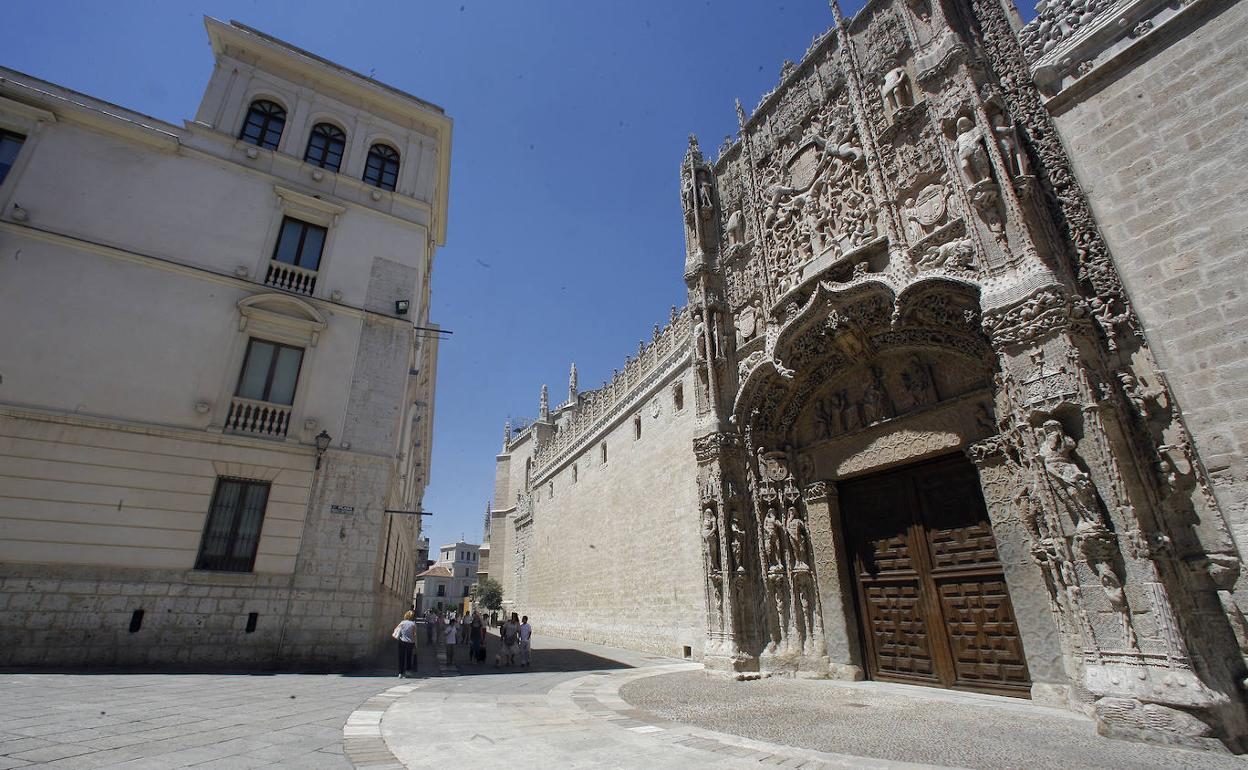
<point>322,443</point>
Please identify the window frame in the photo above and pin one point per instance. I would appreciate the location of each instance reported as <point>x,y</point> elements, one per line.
<point>374,151</point>
<point>227,562</point>
<point>303,236</point>
<point>265,126</point>
<point>323,162</point>
<point>21,142</point>
<point>268,377</point>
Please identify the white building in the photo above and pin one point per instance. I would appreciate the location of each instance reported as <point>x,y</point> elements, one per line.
<point>187,310</point>
<point>448,582</point>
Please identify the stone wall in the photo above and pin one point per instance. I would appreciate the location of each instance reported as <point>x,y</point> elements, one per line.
<point>613,555</point>
<point>1159,137</point>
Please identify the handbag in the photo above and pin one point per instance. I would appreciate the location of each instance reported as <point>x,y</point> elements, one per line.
<point>395,633</point>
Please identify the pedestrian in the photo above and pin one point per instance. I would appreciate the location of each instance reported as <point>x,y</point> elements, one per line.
<point>526,633</point>
<point>439,627</point>
<point>474,636</point>
<point>429,627</point>
<point>452,629</point>
<point>403,634</point>
<point>510,636</point>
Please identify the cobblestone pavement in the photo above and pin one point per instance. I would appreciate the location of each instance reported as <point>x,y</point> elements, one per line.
<point>578,706</point>
<point>178,720</point>
<point>900,722</point>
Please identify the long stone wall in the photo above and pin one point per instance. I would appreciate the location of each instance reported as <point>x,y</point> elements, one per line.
<point>611,550</point>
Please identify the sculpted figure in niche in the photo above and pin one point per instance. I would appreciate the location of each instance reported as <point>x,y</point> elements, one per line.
<point>1143,400</point>
<point>710,536</point>
<point>773,541</point>
<point>799,539</point>
<point>875,402</point>
<point>737,543</point>
<point>917,381</point>
<point>735,229</point>
<point>1070,483</point>
<point>1108,320</point>
<point>1011,147</point>
<point>896,90</point>
<point>972,153</point>
<point>1112,586</point>
<point>849,412</point>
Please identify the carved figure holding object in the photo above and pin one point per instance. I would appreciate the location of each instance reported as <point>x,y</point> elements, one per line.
<point>1072,485</point>
<point>972,153</point>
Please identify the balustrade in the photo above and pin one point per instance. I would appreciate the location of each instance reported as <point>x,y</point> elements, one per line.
<point>257,418</point>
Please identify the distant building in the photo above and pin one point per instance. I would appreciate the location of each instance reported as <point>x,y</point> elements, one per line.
<point>448,582</point>
<point>218,366</point>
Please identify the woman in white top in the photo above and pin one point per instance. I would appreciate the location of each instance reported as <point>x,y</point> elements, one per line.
<point>452,635</point>
<point>403,633</point>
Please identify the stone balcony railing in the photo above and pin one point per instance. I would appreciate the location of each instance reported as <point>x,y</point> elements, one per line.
<point>596,408</point>
<point>257,418</point>
<point>290,277</point>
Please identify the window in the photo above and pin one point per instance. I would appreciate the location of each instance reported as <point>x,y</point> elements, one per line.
<point>300,244</point>
<point>325,146</point>
<point>604,453</point>
<point>264,124</point>
<point>441,592</point>
<point>636,427</point>
<point>382,168</point>
<point>10,145</point>
<point>233,529</point>
<point>575,473</point>
<point>270,372</point>
<point>678,396</point>
<point>466,589</point>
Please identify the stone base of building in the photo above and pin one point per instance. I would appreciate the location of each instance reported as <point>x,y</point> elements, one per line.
<point>63,617</point>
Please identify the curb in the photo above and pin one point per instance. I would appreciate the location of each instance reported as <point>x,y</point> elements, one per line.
<point>362,743</point>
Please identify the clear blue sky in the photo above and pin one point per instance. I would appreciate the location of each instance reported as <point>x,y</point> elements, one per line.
<point>571,119</point>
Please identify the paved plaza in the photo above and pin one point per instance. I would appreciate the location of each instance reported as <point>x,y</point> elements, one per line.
<point>579,706</point>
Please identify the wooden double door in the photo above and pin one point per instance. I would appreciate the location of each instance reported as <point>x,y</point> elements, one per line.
<point>932,601</point>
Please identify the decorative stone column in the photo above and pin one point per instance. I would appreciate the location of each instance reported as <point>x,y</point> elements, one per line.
<point>1033,593</point>
<point>833,580</point>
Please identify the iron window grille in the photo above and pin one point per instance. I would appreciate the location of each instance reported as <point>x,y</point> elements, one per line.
<point>325,146</point>
<point>232,533</point>
<point>382,168</point>
<point>264,124</point>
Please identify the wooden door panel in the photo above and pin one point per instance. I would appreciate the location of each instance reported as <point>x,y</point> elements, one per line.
<point>898,630</point>
<point>987,651</point>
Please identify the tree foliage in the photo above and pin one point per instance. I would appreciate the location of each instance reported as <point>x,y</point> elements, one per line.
<point>489,593</point>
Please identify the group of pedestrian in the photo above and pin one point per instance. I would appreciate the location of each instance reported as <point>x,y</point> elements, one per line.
<point>515,636</point>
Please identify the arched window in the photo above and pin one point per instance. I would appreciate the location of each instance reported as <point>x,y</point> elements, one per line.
<point>325,146</point>
<point>264,124</point>
<point>382,169</point>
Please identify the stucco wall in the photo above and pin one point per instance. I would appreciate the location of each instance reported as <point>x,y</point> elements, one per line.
<point>1161,145</point>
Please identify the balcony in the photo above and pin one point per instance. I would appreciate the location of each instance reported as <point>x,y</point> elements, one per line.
<point>290,278</point>
<point>257,418</point>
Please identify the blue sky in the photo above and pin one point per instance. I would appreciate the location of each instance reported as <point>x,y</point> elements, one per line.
<point>571,119</point>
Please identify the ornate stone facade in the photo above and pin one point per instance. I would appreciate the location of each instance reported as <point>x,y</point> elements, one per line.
<point>896,284</point>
